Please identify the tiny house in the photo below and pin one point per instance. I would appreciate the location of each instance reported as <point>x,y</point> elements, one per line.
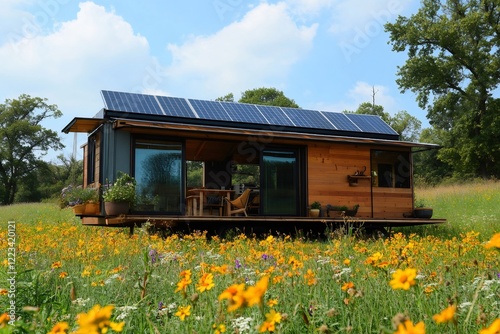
<point>290,158</point>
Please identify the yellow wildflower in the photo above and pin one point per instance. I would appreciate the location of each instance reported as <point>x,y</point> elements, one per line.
<point>408,328</point>
<point>347,262</point>
<point>310,277</point>
<point>4,319</point>
<point>234,294</point>
<point>493,329</point>
<point>219,328</point>
<point>347,286</point>
<point>494,241</point>
<point>60,328</point>
<point>445,315</point>
<point>97,320</point>
<point>56,265</point>
<point>272,302</point>
<point>183,312</point>
<point>403,279</point>
<point>205,283</point>
<point>267,327</point>
<point>4,292</point>
<point>63,274</point>
<point>254,294</point>
<point>273,316</point>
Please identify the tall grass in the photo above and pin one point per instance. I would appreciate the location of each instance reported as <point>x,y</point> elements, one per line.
<point>468,207</point>
<point>340,285</point>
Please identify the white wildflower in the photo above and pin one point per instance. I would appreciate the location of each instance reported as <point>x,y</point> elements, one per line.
<point>80,301</point>
<point>125,310</point>
<point>241,324</point>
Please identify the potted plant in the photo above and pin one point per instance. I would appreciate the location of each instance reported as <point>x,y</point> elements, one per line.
<point>421,210</point>
<point>118,197</point>
<point>91,200</point>
<point>341,210</point>
<point>314,209</point>
<point>73,197</point>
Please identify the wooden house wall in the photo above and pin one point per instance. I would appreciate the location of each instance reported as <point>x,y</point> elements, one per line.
<point>328,167</point>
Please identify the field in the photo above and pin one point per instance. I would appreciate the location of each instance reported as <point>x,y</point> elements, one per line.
<point>61,277</point>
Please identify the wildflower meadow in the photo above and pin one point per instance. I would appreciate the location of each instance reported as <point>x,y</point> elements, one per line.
<point>58,276</point>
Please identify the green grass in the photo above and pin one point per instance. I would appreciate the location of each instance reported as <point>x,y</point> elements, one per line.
<point>468,207</point>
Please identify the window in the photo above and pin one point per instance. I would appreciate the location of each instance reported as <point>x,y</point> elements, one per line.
<point>391,169</point>
<point>159,175</point>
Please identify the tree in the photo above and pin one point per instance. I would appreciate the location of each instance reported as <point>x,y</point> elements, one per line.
<point>23,140</point>
<point>227,98</point>
<point>453,66</point>
<point>267,96</point>
<point>406,125</point>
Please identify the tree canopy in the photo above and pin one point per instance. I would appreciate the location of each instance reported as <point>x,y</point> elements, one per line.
<point>263,96</point>
<point>23,141</point>
<point>453,66</point>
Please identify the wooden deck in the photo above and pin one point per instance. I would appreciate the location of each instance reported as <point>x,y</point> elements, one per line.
<point>257,224</point>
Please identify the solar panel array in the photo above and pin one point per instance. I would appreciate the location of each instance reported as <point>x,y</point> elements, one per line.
<point>243,113</point>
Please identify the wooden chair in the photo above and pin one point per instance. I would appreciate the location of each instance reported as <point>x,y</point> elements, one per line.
<point>214,202</point>
<point>239,204</point>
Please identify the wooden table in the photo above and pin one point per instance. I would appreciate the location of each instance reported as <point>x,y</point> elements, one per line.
<point>198,195</point>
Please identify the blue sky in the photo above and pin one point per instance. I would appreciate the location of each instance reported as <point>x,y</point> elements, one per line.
<point>324,54</point>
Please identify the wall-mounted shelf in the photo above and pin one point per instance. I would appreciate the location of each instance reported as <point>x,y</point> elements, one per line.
<point>353,179</point>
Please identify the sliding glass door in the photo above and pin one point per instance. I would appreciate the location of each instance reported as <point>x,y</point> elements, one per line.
<point>279,182</point>
<point>159,176</point>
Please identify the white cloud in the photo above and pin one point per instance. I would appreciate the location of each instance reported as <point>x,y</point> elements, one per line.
<point>363,92</point>
<point>351,18</point>
<point>96,50</point>
<point>259,50</point>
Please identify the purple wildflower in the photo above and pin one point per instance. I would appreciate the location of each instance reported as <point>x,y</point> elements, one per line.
<point>237,264</point>
<point>153,255</point>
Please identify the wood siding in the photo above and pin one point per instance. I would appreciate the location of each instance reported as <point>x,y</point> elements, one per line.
<point>328,168</point>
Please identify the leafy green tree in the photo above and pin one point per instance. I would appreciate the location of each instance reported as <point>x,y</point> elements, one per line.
<point>267,96</point>
<point>406,125</point>
<point>453,66</point>
<point>23,140</point>
<point>227,98</point>
<point>428,167</point>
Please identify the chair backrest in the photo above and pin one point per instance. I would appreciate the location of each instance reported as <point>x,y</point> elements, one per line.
<point>242,201</point>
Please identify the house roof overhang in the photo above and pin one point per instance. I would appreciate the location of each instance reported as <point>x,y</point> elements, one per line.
<point>81,124</point>
<point>204,130</point>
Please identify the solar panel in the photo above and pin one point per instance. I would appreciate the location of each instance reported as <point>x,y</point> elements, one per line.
<point>275,115</point>
<point>307,118</point>
<point>131,102</point>
<point>340,121</point>
<point>175,106</point>
<point>371,123</point>
<point>242,112</point>
<point>210,110</point>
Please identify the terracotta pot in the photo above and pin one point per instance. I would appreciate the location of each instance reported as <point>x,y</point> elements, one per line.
<point>92,208</point>
<point>116,208</point>
<point>78,209</point>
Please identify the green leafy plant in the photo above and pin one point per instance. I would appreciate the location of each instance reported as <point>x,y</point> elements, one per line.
<point>123,190</point>
<point>315,205</point>
<point>74,195</point>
